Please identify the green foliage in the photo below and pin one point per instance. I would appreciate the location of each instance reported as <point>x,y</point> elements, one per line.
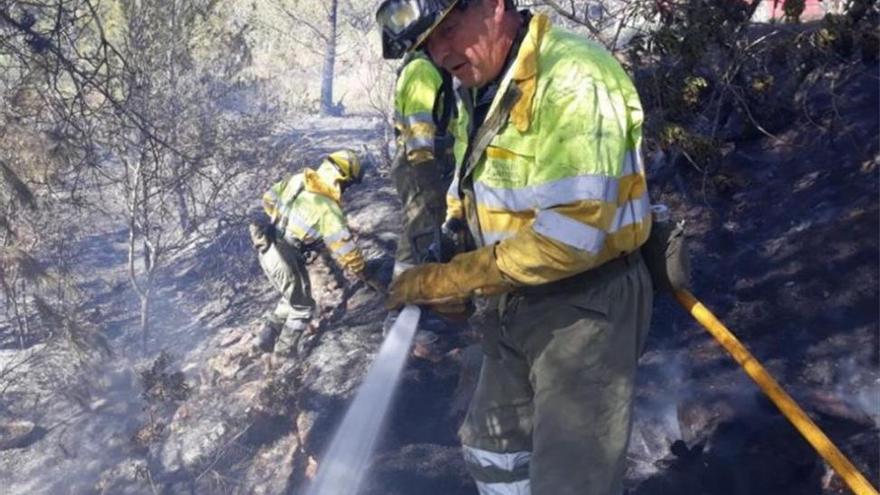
<point>694,87</point>
<point>762,83</point>
<point>690,27</point>
<point>701,150</point>
<point>842,35</point>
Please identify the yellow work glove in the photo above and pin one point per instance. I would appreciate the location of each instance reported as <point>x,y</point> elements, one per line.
<point>449,284</point>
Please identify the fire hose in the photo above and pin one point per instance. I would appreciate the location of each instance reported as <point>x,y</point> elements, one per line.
<point>347,459</point>
<point>810,431</point>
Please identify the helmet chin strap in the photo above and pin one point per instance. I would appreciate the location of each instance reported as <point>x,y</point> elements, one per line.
<point>343,185</point>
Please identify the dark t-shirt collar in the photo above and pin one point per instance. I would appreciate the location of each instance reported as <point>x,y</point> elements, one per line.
<point>484,95</point>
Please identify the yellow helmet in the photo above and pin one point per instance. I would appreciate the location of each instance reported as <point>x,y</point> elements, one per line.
<point>348,164</point>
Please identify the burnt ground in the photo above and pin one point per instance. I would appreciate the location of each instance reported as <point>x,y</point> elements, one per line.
<point>784,241</point>
<point>784,237</point>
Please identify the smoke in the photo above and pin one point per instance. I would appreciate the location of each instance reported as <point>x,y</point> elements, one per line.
<point>858,386</point>
<point>656,424</point>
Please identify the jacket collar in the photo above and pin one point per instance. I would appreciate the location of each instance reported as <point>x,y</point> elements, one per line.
<point>525,71</point>
<point>320,182</point>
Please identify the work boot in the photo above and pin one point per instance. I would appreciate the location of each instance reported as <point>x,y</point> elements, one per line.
<point>289,341</point>
<point>307,342</point>
<point>267,335</point>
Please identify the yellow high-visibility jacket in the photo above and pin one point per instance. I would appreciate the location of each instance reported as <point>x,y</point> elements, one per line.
<point>415,95</point>
<point>307,208</point>
<point>561,187</point>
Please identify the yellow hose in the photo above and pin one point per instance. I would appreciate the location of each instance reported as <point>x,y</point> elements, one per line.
<point>823,445</point>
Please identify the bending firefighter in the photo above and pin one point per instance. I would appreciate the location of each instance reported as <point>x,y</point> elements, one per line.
<point>550,182</point>
<point>304,212</point>
<point>422,170</point>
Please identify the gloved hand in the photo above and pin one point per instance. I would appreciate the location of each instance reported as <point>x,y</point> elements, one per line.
<point>468,274</point>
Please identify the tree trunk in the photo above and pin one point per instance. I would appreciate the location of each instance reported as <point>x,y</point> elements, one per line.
<point>177,164</point>
<point>146,301</point>
<point>327,106</point>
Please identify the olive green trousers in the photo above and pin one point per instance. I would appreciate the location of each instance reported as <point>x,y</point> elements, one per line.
<point>285,268</point>
<point>551,414</point>
<point>422,190</point>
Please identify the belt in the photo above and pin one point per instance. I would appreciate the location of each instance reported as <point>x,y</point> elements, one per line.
<point>575,282</point>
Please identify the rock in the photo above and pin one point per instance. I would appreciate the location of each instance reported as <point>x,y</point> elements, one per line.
<point>230,338</point>
<point>129,477</point>
<point>831,406</point>
<point>333,372</point>
<point>311,468</point>
<point>195,439</point>
<point>273,466</point>
<point>698,417</point>
<point>15,433</point>
<point>229,364</point>
<point>261,455</point>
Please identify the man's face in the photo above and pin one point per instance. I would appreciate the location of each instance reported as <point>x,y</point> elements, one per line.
<point>468,43</point>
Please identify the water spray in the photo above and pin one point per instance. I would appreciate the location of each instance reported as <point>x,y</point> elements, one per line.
<point>343,467</point>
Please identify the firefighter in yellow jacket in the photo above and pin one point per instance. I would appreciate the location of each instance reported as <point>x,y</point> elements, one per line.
<point>305,212</point>
<point>422,170</point>
<point>550,182</point>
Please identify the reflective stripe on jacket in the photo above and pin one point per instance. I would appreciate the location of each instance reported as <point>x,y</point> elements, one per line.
<point>418,85</point>
<point>561,188</point>
<point>306,207</point>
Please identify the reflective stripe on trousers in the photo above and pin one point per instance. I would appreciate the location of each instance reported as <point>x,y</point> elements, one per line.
<point>562,384</point>
<point>498,473</point>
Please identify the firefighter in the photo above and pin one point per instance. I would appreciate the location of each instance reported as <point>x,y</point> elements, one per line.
<point>305,214</point>
<point>422,169</point>
<point>550,182</point>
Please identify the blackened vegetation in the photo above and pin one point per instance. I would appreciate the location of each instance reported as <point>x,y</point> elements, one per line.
<point>162,389</point>
<point>162,384</point>
<point>765,142</point>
